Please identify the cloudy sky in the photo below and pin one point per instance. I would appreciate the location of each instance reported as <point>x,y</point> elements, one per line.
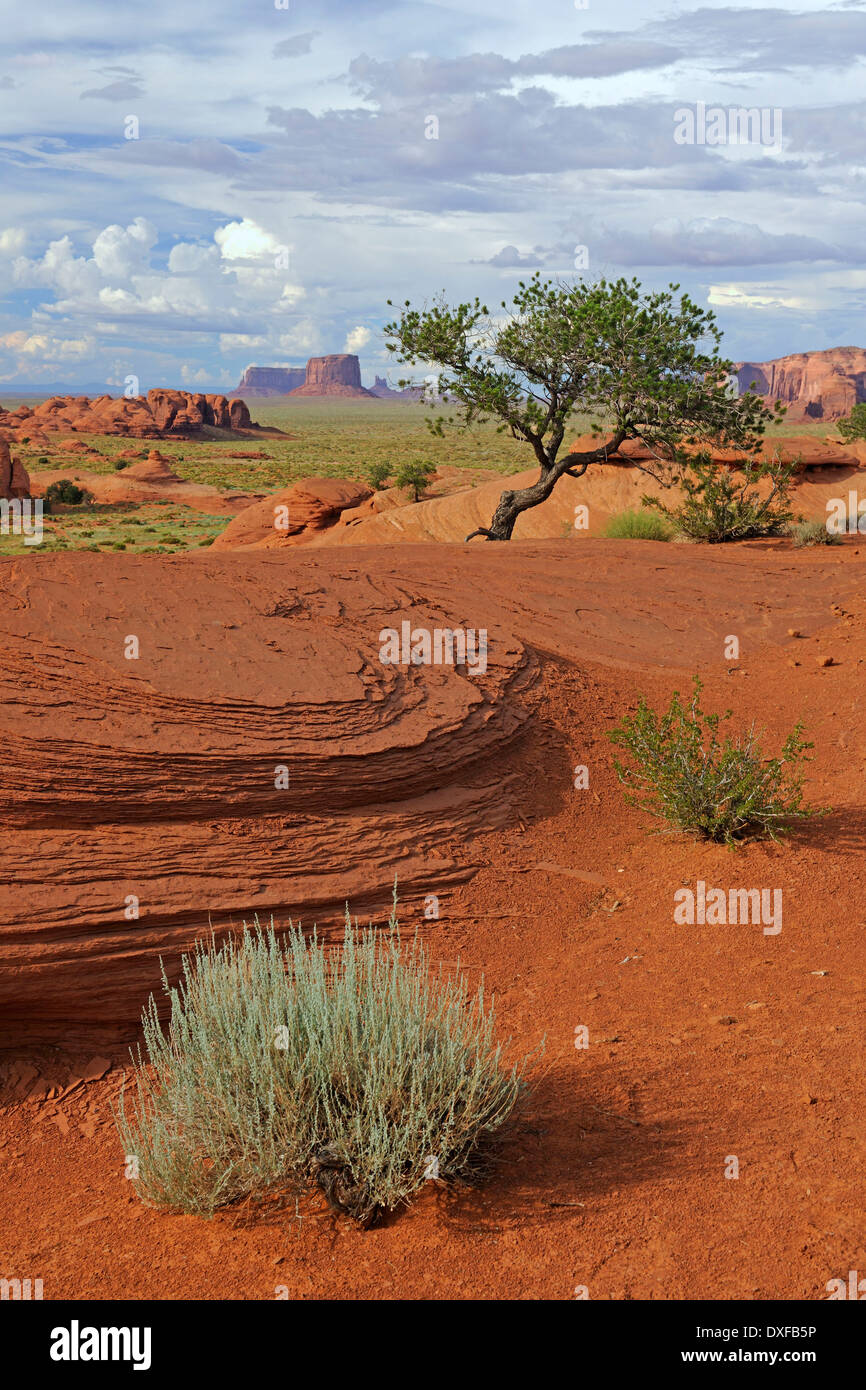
<point>192,187</point>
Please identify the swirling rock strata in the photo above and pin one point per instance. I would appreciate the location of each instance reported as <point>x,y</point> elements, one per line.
<point>202,743</point>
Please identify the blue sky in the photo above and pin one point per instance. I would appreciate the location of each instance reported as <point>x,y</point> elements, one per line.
<point>284,184</point>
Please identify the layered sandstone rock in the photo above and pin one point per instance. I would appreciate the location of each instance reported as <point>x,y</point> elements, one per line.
<point>293,515</point>
<point>812,385</point>
<point>160,414</point>
<point>803,450</point>
<point>338,375</point>
<point>158,780</point>
<point>14,479</point>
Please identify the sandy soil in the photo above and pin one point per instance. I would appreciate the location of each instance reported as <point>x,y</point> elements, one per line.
<point>705,1042</point>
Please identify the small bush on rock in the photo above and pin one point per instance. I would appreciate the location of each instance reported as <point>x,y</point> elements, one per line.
<point>378,474</point>
<point>414,475</point>
<point>719,506</point>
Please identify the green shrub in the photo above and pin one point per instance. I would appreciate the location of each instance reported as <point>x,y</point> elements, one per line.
<point>415,475</point>
<point>724,790</point>
<point>719,507</point>
<point>378,474</point>
<point>813,533</point>
<point>120,464</point>
<point>282,1064</point>
<point>637,525</point>
<point>43,458</point>
<point>854,427</point>
<point>66,492</point>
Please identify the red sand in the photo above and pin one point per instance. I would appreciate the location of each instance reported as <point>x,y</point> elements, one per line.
<point>704,1041</point>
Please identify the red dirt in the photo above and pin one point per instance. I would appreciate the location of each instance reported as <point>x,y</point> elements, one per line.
<point>705,1041</point>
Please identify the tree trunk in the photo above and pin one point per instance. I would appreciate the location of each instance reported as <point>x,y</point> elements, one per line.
<point>511,504</point>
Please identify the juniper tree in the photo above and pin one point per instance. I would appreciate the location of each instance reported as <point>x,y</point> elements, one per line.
<point>642,365</point>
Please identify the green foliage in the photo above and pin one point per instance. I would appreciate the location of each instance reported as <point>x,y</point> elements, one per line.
<point>633,361</point>
<point>722,789</point>
<point>637,525</point>
<point>378,473</point>
<point>855,425</point>
<point>120,464</point>
<point>283,1063</point>
<point>67,493</point>
<point>813,533</point>
<point>414,474</point>
<point>721,504</point>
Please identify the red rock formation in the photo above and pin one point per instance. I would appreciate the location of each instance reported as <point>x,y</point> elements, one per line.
<point>163,769</point>
<point>812,385</point>
<point>808,451</point>
<point>338,375</point>
<point>156,468</point>
<point>160,414</point>
<point>14,479</point>
<point>291,516</point>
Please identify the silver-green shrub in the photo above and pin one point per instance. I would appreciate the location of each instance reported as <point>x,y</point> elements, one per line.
<point>283,1063</point>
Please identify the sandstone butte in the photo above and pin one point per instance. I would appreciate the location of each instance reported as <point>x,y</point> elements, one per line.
<point>160,414</point>
<point>14,479</point>
<point>812,385</point>
<point>337,375</point>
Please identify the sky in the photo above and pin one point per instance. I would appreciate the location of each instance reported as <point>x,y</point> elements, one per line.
<point>190,188</point>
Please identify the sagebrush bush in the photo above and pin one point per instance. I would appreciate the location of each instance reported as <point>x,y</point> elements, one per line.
<point>282,1063</point>
<point>722,789</point>
<point>637,525</point>
<point>813,533</point>
<point>720,506</point>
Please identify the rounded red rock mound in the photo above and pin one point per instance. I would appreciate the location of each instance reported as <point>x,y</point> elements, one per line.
<point>293,515</point>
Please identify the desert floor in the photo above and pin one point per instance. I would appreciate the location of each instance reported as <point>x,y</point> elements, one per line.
<point>705,1041</point>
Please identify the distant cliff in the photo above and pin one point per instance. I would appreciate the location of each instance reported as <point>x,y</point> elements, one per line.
<point>813,385</point>
<point>270,381</point>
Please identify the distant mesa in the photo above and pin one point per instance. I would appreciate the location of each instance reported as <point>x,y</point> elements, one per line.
<point>269,381</point>
<point>160,414</point>
<point>812,385</point>
<point>385,392</point>
<point>336,375</point>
